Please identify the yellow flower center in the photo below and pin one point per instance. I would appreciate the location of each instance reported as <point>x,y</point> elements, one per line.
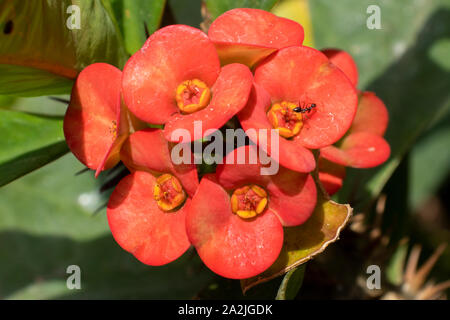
<point>283,118</point>
<point>168,192</point>
<point>249,201</point>
<point>192,95</point>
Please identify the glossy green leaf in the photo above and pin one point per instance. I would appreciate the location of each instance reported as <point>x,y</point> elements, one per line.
<point>136,18</point>
<point>400,63</point>
<point>40,54</point>
<point>304,242</point>
<point>27,143</point>
<point>47,223</point>
<point>217,7</point>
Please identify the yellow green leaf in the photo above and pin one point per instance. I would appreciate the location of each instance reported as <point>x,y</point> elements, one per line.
<point>44,44</point>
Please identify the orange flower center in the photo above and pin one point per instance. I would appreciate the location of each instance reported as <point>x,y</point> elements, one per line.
<point>168,192</point>
<point>249,201</point>
<point>283,118</point>
<point>192,95</point>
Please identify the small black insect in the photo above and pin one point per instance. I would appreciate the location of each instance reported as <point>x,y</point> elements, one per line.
<point>8,28</point>
<point>304,110</point>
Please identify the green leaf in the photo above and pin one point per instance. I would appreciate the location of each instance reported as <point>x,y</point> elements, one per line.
<point>40,55</point>
<point>41,290</point>
<point>25,81</point>
<point>217,7</point>
<point>429,163</point>
<point>6,101</point>
<point>45,106</point>
<point>187,12</point>
<point>28,142</point>
<point>291,284</point>
<point>304,242</point>
<point>136,18</point>
<point>396,264</point>
<point>47,224</point>
<point>400,64</point>
<point>396,214</point>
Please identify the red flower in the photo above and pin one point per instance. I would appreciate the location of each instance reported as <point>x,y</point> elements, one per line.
<point>306,98</point>
<point>146,212</point>
<point>235,219</point>
<point>363,145</point>
<point>250,35</point>
<point>148,150</point>
<point>93,125</point>
<point>343,61</point>
<point>176,79</point>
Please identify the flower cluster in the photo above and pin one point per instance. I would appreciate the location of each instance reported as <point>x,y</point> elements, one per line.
<point>251,66</point>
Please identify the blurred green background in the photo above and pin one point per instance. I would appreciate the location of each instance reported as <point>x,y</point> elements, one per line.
<point>52,218</point>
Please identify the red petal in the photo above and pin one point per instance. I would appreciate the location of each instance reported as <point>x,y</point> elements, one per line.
<point>230,246</point>
<point>359,150</point>
<point>125,123</point>
<point>331,175</point>
<point>229,95</point>
<point>147,150</point>
<point>292,195</point>
<point>305,75</point>
<point>170,56</point>
<point>241,166</point>
<point>343,61</point>
<point>249,35</point>
<point>92,124</point>
<point>140,227</point>
<point>371,116</point>
<point>291,153</point>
